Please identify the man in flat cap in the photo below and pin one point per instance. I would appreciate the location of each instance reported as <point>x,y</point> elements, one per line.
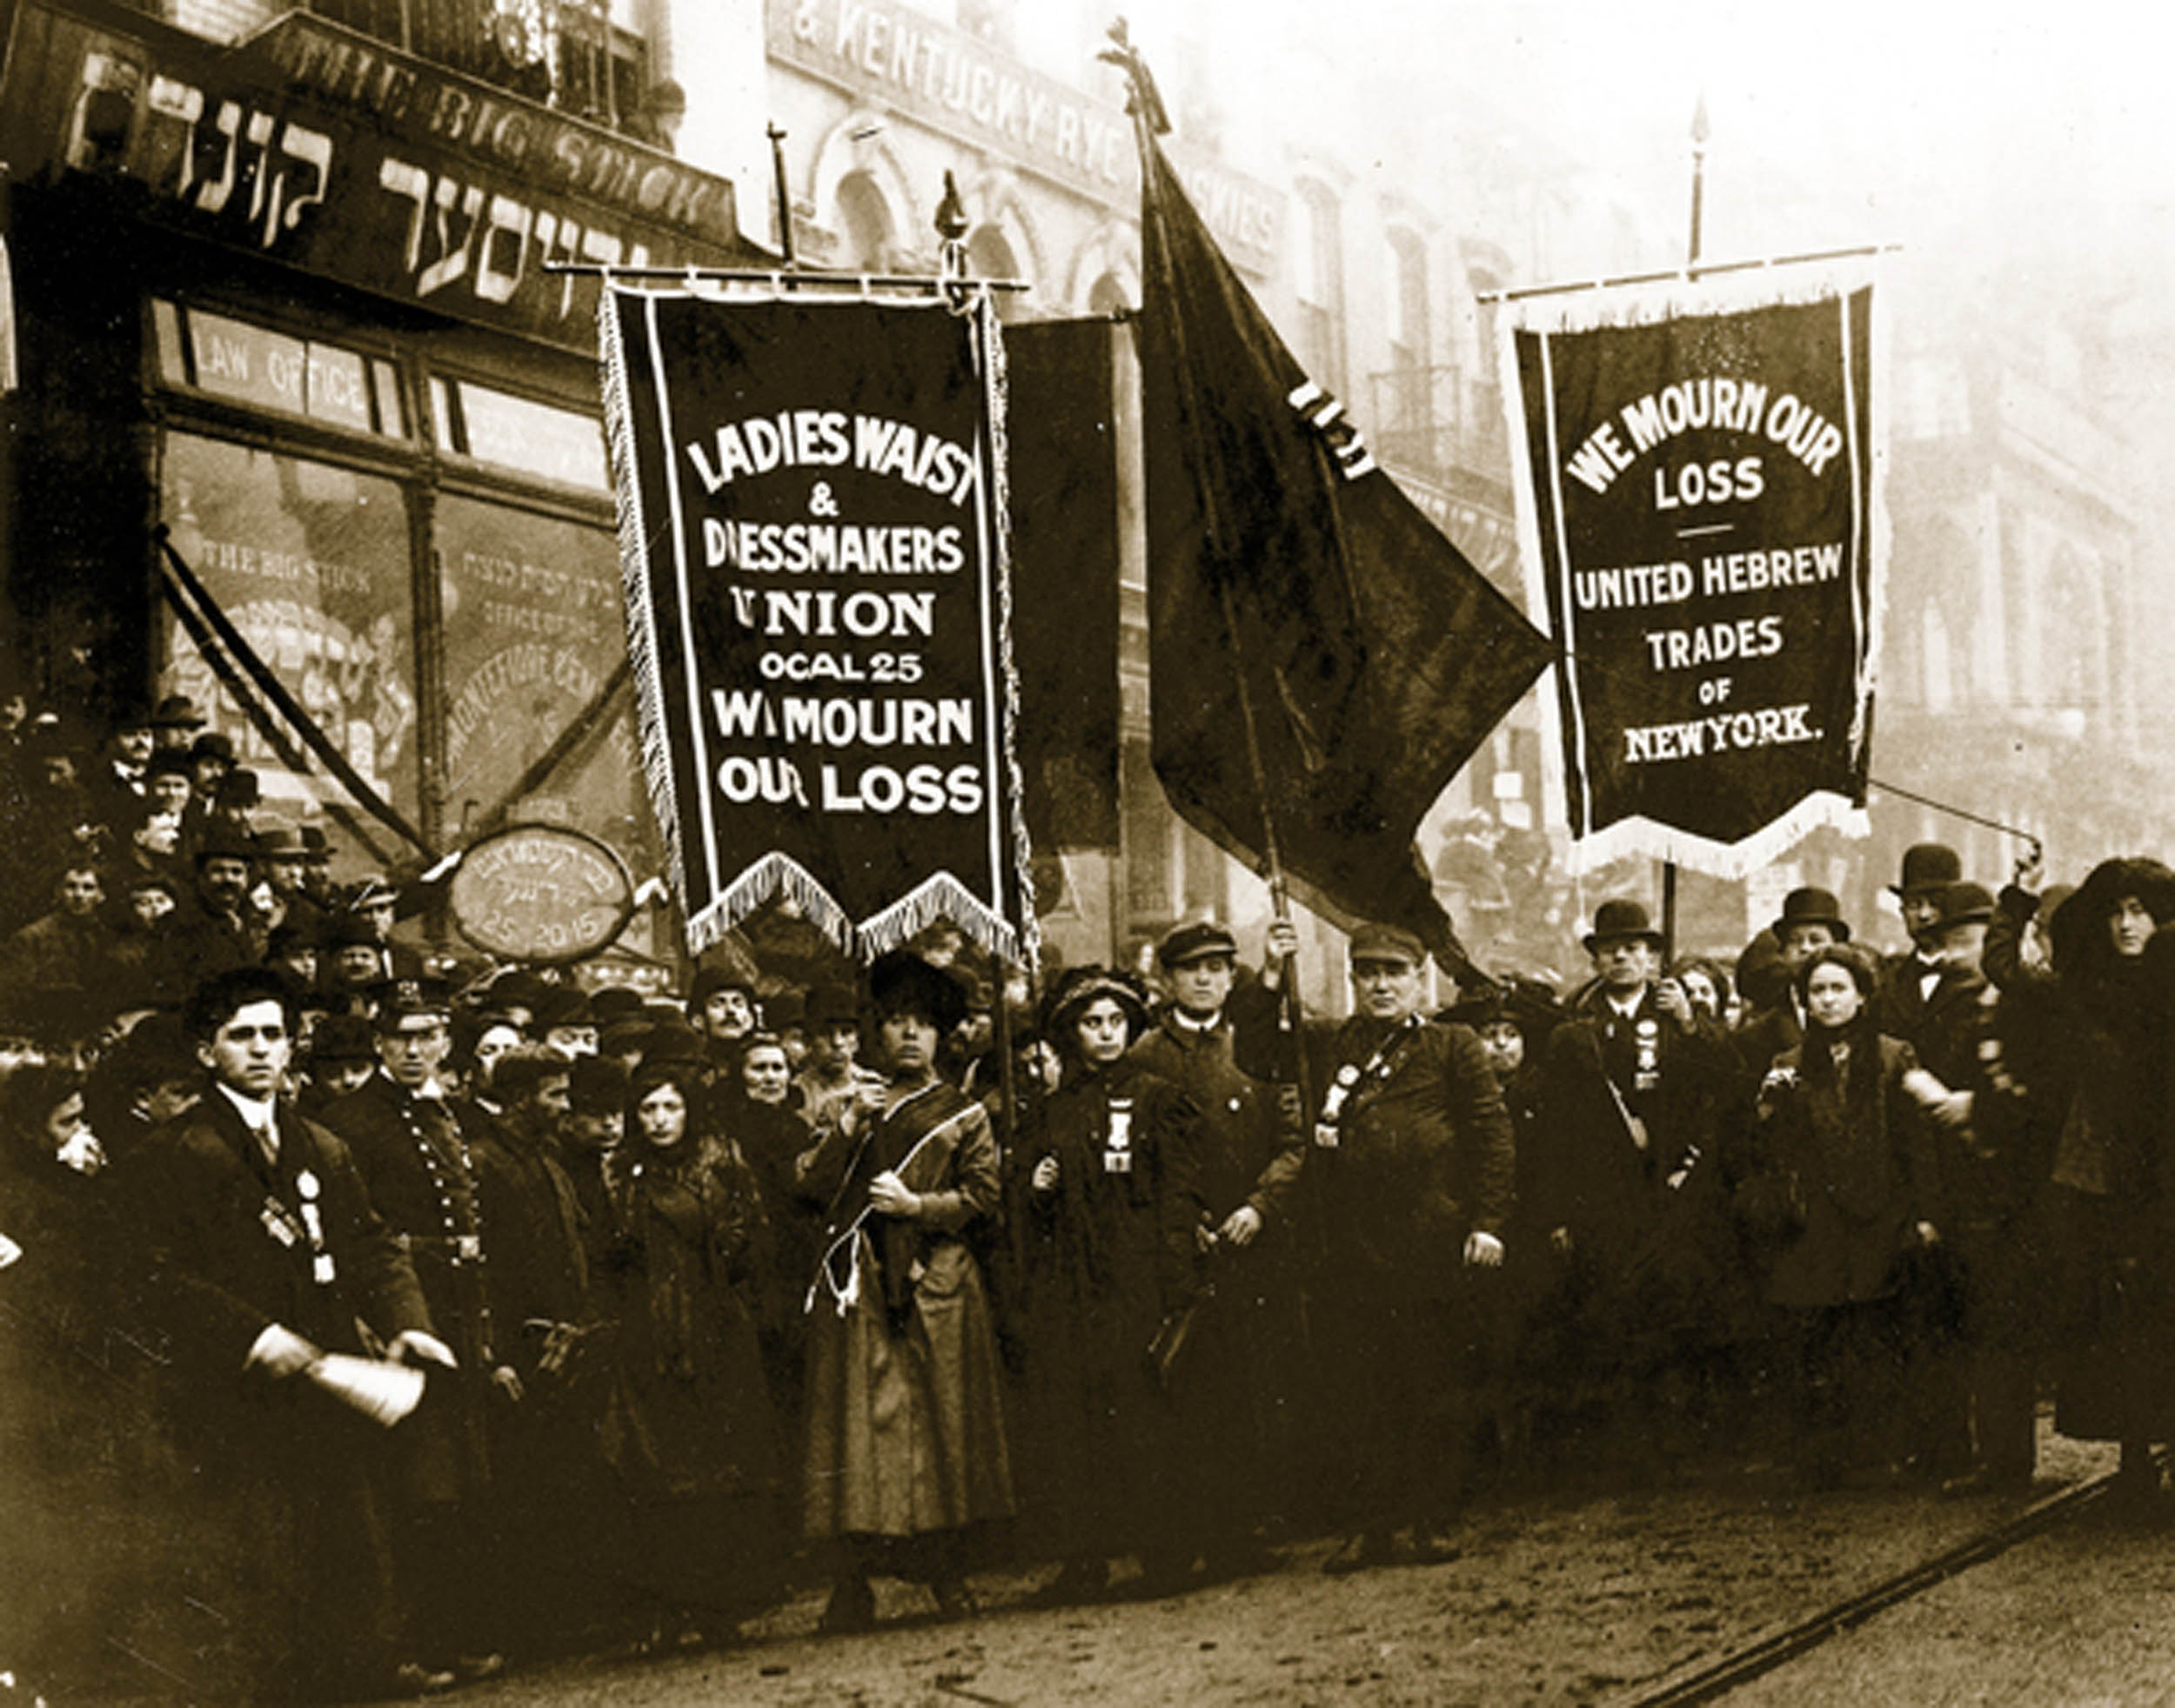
<point>416,1161</point>
<point>1632,1084</point>
<point>1408,1181</point>
<point>1248,1155</point>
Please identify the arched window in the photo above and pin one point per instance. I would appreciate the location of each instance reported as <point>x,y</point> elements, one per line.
<point>989,255</point>
<point>1108,296</point>
<point>866,223</point>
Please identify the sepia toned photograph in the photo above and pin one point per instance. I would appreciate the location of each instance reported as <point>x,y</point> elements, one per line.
<point>931,852</point>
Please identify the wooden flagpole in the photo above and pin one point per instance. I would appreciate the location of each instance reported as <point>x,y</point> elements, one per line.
<point>1691,260</point>
<point>1147,108</point>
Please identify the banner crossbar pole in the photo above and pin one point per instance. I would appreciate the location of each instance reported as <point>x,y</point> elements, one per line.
<point>788,279</point>
<point>1689,272</point>
<point>1963,813</point>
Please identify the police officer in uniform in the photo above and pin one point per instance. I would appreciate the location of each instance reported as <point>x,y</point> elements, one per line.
<point>415,1158</point>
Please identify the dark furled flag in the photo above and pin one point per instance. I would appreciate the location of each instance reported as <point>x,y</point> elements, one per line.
<point>1374,656</point>
<point>1064,491</point>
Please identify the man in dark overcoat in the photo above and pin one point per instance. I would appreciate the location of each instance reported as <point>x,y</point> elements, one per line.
<point>264,1254</point>
<point>1979,1399</point>
<point>550,1494</point>
<point>1235,1396</point>
<point>211,932</point>
<point>1630,1086</point>
<point>1409,1177</point>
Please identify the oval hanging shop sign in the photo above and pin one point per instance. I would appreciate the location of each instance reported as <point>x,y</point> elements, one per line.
<point>541,893</point>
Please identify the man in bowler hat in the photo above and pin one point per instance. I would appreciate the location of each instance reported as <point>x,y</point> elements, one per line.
<point>1631,1085</point>
<point>1908,981</point>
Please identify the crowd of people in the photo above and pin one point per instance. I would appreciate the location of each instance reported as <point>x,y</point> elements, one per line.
<point>365,1330</point>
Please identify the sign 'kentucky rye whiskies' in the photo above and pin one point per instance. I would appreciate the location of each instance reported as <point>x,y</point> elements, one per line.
<point>812,526</point>
<point>1700,499</point>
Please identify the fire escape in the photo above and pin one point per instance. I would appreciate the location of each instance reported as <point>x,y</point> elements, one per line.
<point>563,54</point>
<point>1439,431</point>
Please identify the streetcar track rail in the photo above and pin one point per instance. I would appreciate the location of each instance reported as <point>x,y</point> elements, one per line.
<point>1769,1654</point>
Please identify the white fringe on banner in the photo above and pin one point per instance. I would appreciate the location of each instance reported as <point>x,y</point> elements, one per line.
<point>638,610</point>
<point>773,875</point>
<point>1677,297</point>
<point>940,896</point>
<point>1644,838</point>
<point>988,335</point>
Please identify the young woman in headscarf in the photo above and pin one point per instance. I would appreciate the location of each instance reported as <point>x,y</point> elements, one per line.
<point>763,1112</point>
<point>2083,1047</point>
<point>1116,1244</point>
<point>907,1457</point>
<point>1846,1152</point>
<point>689,1429</point>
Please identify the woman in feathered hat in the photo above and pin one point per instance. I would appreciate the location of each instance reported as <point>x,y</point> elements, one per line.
<point>906,1451</point>
<point>1112,1226</point>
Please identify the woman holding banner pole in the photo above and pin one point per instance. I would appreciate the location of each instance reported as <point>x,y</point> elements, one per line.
<point>907,1453</point>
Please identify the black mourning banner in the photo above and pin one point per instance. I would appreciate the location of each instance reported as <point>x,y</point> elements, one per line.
<point>811,531</point>
<point>1065,560</point>
<point>1700,498</point>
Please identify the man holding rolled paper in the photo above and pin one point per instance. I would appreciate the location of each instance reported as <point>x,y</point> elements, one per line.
<point>297,1327</point>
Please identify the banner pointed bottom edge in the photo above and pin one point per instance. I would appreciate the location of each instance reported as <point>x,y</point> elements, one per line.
<point>1650,838</point>
<point>939,897</point>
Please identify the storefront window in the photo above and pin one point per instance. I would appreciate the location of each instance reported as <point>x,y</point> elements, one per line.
<point>310,562</point>
<point>316,563</point>
<point>495,426</point>
<point>532,631</point>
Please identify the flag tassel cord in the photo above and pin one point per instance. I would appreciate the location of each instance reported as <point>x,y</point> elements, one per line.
<point>785,279</point>
<point>1690,272</point>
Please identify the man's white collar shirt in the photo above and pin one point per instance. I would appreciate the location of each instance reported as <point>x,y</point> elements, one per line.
<point>256,1115</point>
